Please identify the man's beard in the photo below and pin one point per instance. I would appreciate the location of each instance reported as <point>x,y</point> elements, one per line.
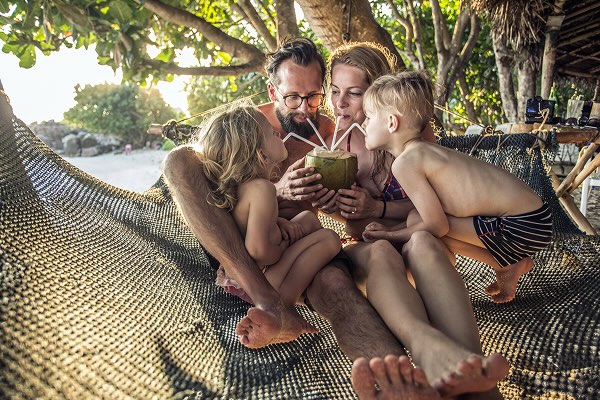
<point>302,129</point>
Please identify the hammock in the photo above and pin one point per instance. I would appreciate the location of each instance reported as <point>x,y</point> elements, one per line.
<point>106,293</point>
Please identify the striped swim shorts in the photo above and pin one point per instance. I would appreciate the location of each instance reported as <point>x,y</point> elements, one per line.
<point>513,238</point>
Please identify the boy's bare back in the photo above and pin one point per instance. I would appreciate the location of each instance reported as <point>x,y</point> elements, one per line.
<point>465,186</point>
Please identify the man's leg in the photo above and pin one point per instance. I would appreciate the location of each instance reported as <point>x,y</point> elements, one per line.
<point>357,326</point>
<point>270,321</point>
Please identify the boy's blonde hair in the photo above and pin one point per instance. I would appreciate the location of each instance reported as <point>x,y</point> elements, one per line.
<point>408,92</point>
<point>230,146</point>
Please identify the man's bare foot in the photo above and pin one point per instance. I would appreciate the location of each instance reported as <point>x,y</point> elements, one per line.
<point>505,287</point>
<point>260,328</point>
<point>395,377</point>
<point>475,374</point>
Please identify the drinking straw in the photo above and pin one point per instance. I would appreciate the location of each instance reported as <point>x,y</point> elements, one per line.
<point>354,125</point>
<point>337,123</point>
<point>300,138</point>
<point>317,132</point>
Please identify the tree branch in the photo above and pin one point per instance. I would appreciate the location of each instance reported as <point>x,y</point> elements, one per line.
<point>418,37</point>
<point>229,44</point>
<point>286,19</point>
<point>220,70</point>
<point>408,43</point>
<point>258,23</point>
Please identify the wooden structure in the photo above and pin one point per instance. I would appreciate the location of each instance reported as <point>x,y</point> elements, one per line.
<point>582,169</point>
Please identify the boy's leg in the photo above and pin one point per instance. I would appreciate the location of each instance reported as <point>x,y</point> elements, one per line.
<point>455,368</point>
<point>462,239</point>
<point>300,262</point>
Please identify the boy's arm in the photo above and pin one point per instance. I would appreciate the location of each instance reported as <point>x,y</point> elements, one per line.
<point>263,236</point>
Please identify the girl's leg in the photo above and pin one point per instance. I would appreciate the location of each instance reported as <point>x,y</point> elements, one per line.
<point>309,221</point>
<point>292,274</point>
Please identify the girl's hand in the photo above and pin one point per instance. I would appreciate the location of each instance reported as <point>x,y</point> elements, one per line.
<point>375,231</point>
<point>357,203</point>
<point>290,231</point>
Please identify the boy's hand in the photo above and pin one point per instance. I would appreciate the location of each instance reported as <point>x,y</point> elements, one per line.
<point>375,231</point>
<point>290,231</point>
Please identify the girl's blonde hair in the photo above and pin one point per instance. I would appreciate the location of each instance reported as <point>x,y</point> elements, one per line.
<point>230,146</point>
<point>374,60</point>
<point>408,92</point>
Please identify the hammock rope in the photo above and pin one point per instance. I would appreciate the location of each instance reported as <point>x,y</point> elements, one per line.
<point>106,293</point>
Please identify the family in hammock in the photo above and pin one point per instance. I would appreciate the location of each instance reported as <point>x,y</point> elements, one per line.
<point>415,205</point>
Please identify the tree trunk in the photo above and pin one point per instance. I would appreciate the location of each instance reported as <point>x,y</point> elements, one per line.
<point>526,78</point>
<point>549,59</point>
<point>328,19</point>
<point>504,63</point>
<point>286,19</point>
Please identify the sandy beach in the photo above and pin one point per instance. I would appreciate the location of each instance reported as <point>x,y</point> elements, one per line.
<point>136,171</point>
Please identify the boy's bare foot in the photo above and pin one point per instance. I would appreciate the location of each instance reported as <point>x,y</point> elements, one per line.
<point>505,287</point>
<point>395,377</point>
<point>260,328</point>
<point>475,374</point>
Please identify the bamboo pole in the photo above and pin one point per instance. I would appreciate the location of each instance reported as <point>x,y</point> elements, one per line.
<point>569,205</point>
<point>566,183</point>
<point>587,171</point>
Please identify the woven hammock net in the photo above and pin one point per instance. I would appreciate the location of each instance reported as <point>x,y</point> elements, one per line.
<point>106,293</point>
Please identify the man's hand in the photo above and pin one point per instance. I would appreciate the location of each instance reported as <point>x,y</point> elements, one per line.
<point>297,183</point>
<point>290,231</point>
<point>325,200</point>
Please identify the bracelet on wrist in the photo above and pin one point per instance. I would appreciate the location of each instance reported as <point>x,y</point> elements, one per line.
<point>384,208</point>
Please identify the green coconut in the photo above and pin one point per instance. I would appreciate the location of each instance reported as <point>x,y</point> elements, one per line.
<point>338,168</point>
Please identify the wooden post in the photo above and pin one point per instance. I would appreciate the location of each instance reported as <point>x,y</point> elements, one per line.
<point>566,200</point>
<point>553,25</point>
<point>587,171</point>
<point>567,182</point>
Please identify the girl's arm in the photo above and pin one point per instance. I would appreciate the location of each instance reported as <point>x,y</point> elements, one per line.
<point>263,236</point>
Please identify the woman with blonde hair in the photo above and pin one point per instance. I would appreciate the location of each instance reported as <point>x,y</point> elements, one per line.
<point>239,151</point>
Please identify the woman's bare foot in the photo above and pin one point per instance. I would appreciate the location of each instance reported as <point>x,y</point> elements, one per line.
<point>475,374</point>
<point>260,328</point>
<point>505,287</point>
<point>395,378</point>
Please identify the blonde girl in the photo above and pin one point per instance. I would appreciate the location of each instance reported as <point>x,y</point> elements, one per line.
<point>240,150</point>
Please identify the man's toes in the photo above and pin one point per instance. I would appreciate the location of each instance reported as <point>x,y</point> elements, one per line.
<point>362,378</point>
<point>379,371</point>
<point>393,369</point>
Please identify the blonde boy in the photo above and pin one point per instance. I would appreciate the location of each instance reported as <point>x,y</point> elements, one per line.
<point>479,210</point>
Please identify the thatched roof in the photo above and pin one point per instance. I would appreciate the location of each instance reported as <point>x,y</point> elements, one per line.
<point>578,51</point>
<point>524,22</point>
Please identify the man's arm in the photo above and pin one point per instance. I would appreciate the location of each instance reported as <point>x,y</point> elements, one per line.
<point>214,228</point>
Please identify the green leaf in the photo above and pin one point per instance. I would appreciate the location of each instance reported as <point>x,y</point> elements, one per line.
<point>27,57</point>
<point>120,10</point>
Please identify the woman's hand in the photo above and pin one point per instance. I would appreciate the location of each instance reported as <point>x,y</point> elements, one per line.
<point>357,203</point>
<point>290,231</point>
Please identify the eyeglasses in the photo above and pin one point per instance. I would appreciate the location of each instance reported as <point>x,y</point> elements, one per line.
<point>294,101</point>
